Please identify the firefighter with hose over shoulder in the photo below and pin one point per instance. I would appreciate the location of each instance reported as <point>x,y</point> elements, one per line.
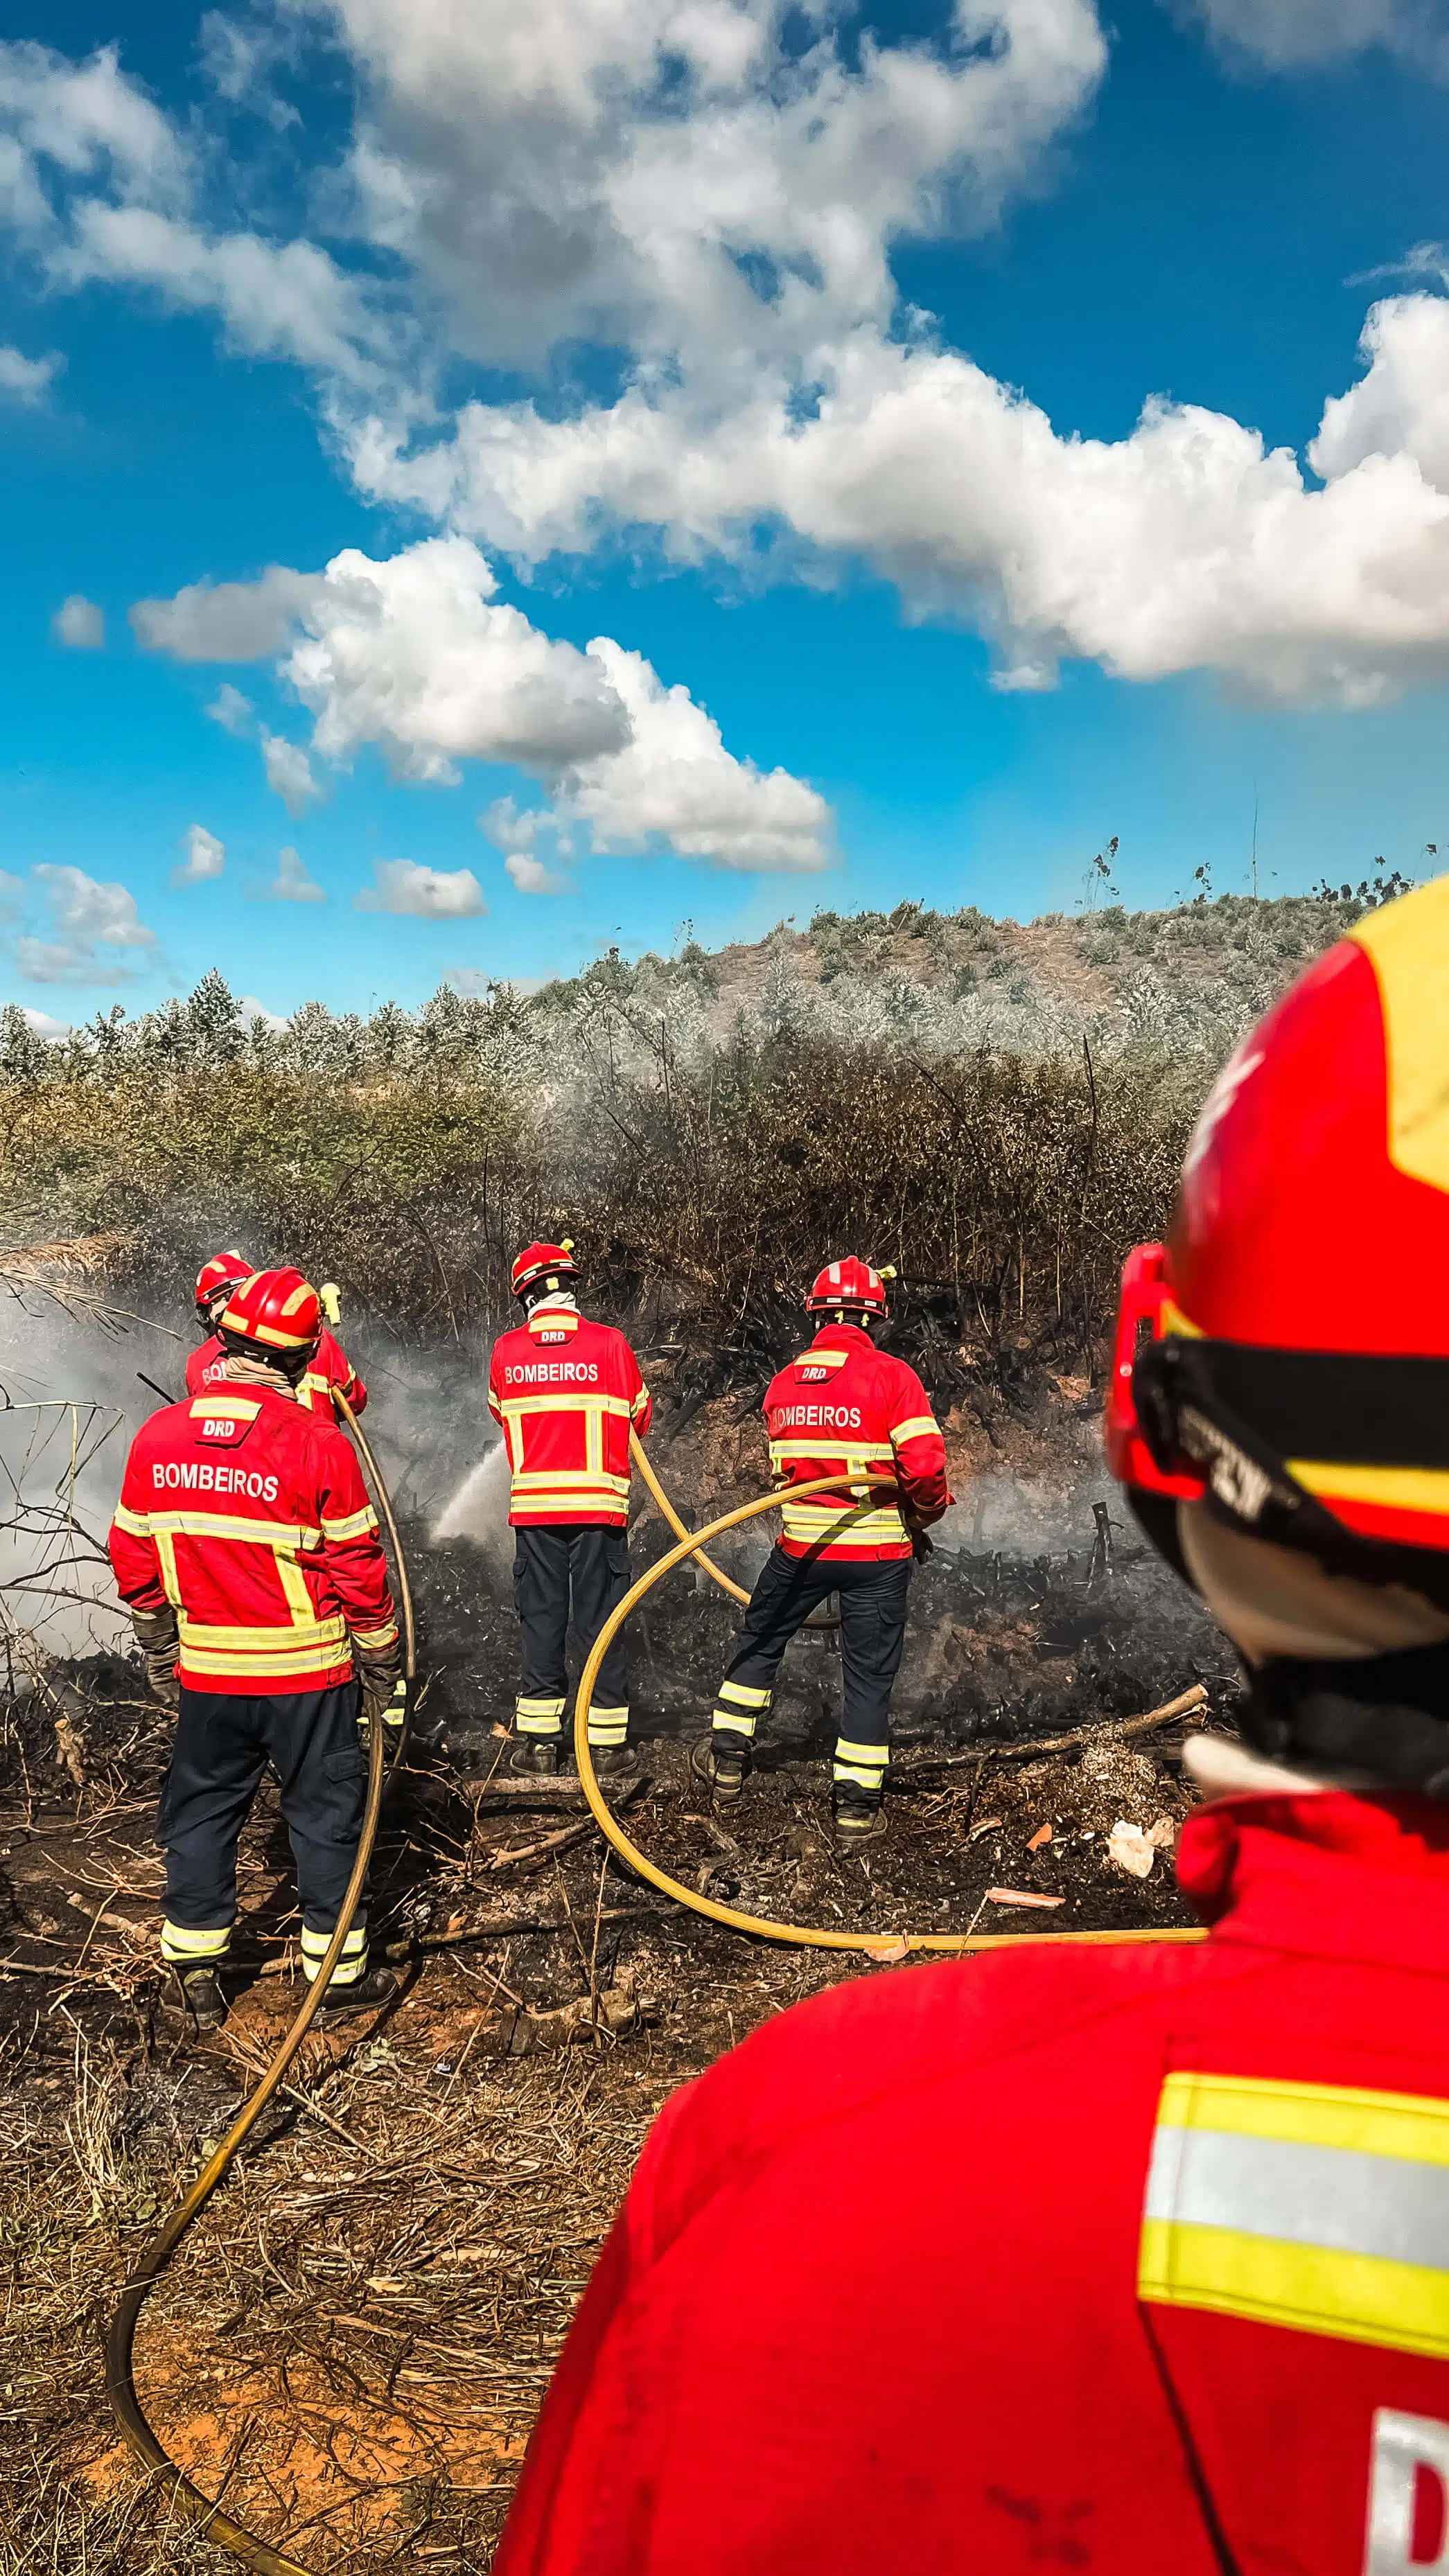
<point>566,1393</point>
<point>1160,2278</point>
<point>842,1408</point>
<point>329,1367</point>
<point>248,1553</point>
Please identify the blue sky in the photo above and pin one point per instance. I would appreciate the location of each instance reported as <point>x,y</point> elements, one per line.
<point>800,358</point>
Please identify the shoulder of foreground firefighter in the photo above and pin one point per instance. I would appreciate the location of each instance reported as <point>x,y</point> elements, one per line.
<point>909,2045</point>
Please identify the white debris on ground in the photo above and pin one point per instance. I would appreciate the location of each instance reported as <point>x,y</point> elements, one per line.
<point>1129,1848</point>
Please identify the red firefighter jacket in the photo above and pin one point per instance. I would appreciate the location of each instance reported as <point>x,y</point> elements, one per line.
<point>249,1516</point>
<point>567,1393</point>
<point>1131,2260</point>
<point>845,1408</point>
<point>331,1367</point>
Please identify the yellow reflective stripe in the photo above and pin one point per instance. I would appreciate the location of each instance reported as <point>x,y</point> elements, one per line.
<point>527,1476</point>
<point>735,1721</point>
<point>608,1725</point>
<point>314,1944</point>
<point>283,1666</point>
<point>539,1707</point>
<point>921,1426</point>
<point>1323,2208</point>
<point>821,1359</point>
<point>183,1524</point>
<point>166,1555</point>
<point>294,1589</point>
<point>136,1522</point>
<point>317,1632</point>
<point>356,1525</point>
<point>1403,1489</point>
<point>178,1942</point>
<point>856,1772</point>
<point>386,1635</point>
<point>639,1403</point>
<point>744,1695</point>
<point>858,1524</point>
<point>1353,2298</point>
<point>877,1754</point>
<point>224,1408</point>
<point>579,1400</point>
<point>1173,1321</point>
<point>828,1447</point>
<point>1412,2125</point>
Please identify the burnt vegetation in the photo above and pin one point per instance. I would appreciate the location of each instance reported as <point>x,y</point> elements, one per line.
<point>996,1109</point>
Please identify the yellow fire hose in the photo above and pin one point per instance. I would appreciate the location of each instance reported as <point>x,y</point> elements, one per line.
<point>876,1944</point>
<point>187,2500</point>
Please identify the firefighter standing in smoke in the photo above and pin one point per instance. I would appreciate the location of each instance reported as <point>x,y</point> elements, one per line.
<point>842,1408</point>
<point>1162,2281</point>
<point>328,1368</point>
<point>567,1393</point>
<point>247,1550</point>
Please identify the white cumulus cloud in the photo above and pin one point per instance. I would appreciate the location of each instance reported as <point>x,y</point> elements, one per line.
<point>289,772</point>
<point>225,621</point>
<point>714,193</point>
<point>205,858</point>
<point>1286,35</point>
<point>80,623</point>
<point>427,894</point>
<point>88,923</point>
<point>416,656</point>
<point>251,1009</point>
<point>232,711</point>
<point>26,380</point>
<point>292,884</point>
<point>518,835</point>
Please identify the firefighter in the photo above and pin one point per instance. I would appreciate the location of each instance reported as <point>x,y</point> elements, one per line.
<point>1136,2259</point>
<point>247,1551</point>
<point>329,1368</point>
<point>842,1408</point>
<point>566,1393</point>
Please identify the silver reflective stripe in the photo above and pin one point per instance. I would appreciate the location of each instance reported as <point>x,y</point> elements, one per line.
<point>1403,2444</point>
<point>1382,2206</point>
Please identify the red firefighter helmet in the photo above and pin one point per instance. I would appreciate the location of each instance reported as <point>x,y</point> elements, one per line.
<point>277,1311</point>
<point>1287,1349</point>
<point>223,1270</point>
<point>849,1283</point>
<point>552,1261</point>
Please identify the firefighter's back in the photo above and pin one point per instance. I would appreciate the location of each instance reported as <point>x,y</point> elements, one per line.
<point>239,1487</point>
<point>1043,2260</point>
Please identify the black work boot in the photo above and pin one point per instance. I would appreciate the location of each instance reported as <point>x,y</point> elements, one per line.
<point>857,1816</point>
<point>540,1754</point>
<point>201,1997</point>
<point>720,1767</point>
<point>365,1994</point>
<point>614,1761</point>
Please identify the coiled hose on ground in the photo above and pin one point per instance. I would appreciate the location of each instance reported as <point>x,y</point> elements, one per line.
<point>695,1544</point>
<point>186,2499</point>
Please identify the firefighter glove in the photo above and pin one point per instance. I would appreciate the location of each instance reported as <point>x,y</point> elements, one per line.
<point>383,1687</point>
<point>393,1711</point>
<point>922,1548</point>
<point>159,1639</point>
